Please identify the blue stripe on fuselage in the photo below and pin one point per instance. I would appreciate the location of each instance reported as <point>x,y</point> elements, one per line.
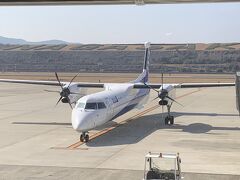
<point>134,102</point>
<point>124,110</point>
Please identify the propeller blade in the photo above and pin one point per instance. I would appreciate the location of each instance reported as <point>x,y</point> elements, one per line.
<point>154,98</point>
<point>151,87</point>
<point>59,100</point>
<point>58,80</point>
<point>174,101</point>
<point>65,92</point>
<point>51,91</point>
<point>73,79</point>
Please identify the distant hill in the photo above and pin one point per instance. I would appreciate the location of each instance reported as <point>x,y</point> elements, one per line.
<point>5,40</point>
<point>167,58</point>
<point>52,45</point>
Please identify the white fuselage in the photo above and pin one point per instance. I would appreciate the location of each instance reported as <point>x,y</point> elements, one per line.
<point>96,109</point>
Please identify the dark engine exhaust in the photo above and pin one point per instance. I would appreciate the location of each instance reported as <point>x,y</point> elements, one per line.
<point>163,102</point>
<point>64,100</point>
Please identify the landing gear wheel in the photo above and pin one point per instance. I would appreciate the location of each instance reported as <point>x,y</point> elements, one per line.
<point>84,137</point>
<point>166,120</point>
<point>87,138</point>
<point>171,119</point>
<point>81,138</point>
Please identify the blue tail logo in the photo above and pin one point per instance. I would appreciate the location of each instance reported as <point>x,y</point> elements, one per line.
<point>143,77</point>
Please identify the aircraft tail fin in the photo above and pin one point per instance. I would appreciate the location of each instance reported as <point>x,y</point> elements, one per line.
<point>143,77</point>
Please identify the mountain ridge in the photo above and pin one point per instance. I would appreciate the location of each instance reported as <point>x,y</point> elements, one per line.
<point>11,41</point>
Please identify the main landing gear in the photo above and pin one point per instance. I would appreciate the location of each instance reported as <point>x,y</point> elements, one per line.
<point>84,137</point>
<point>169,120</point>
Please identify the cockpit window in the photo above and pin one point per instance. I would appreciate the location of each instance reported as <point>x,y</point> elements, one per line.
<point>91,106</point>
<point>81,105</point>
<point>101,105</point>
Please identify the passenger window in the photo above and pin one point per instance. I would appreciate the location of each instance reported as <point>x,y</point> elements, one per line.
<point>91,106</point>
<point>101,105</point>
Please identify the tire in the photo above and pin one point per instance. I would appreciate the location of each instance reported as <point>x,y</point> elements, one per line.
<point>166,120</point>
<point>81,138</point>
<point>87,138</point>
<point>171,120</point>
<point>152,175</point>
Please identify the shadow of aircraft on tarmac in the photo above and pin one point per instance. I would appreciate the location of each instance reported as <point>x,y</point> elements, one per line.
<point>139,128</point>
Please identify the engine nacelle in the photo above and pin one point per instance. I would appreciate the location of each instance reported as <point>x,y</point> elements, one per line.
<point>163,102</point>
<point>77,93</point>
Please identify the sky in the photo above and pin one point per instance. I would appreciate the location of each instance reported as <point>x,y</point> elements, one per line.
<point>172,23</point>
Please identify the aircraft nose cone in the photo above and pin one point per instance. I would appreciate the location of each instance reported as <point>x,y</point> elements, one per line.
<point>79,120</point>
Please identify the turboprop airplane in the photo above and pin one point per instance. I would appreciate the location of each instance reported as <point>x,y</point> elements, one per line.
<point>93,110</point>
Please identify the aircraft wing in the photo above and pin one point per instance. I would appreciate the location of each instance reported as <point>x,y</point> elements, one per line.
<point>90,85</point>
<point>101,85</point>
<point>147,86</point>
<point>184,85</point>
<point>48,83</point>
<point>52,83</point>
<point>200,85</point>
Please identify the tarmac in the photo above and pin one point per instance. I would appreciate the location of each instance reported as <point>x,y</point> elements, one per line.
<point>38,142</point>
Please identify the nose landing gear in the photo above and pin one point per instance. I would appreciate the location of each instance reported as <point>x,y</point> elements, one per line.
<point>169,120</point>
<point>84,137</point>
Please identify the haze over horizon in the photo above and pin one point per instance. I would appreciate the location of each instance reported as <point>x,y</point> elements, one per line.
<point>184,23</point>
